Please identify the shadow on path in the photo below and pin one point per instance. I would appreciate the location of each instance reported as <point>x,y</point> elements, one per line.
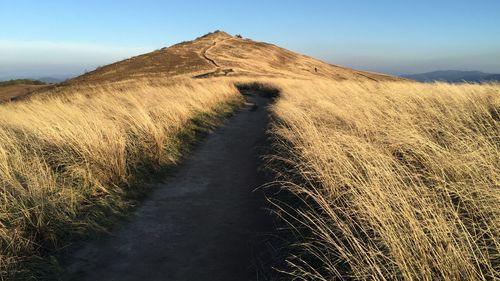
<point>205,222</point>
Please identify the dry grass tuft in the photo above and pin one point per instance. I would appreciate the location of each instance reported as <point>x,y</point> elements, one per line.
<point>67,161</point>
<point>395,180</point>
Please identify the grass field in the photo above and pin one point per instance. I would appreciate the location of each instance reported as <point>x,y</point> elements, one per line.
<point>70,161</point>
<point>390,180</point>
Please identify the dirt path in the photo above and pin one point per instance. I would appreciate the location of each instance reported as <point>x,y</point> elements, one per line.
<point>203,223</point>
<point>205,56</point>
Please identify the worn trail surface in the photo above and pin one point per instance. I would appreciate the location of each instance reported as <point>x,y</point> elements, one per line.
<point>205,56</point>
<point>205,222</point>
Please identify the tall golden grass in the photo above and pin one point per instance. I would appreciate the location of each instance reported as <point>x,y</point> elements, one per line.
<point>67,160</point>
<point>395,180</point>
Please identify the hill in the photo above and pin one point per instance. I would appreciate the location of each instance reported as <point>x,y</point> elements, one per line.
<point>212,55</point>
<point>454,76</point>
<point>18,87</point>
<point>220,54</point>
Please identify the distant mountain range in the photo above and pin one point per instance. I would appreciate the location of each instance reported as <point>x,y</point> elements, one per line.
<point>454,76</point>
<point>51,80</point>
<point>48,79</point>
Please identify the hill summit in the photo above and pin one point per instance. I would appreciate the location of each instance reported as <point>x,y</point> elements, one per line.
<point>220,54</point>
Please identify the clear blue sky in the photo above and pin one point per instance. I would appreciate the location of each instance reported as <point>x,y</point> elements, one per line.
<point>67,37</point>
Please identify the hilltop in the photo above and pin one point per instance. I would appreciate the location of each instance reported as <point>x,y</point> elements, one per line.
<point>220,54</point>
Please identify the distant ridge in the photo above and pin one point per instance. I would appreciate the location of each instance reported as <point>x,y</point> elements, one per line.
<point>454,76</point>
<point>53,80</point>
<point>49,79</point>
<point>13,82</point>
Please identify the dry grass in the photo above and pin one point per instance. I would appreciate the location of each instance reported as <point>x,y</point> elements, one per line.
<point>240,58</point>
<point>68,161</point>
<point>395,180</point>
<point>391,180</point>
<point>250,58</point>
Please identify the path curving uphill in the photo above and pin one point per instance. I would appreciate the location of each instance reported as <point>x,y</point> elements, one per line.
<point>206,57</point>
<point>206,222</point>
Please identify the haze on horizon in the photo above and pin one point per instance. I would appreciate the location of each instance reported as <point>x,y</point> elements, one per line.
<point>395,37</point>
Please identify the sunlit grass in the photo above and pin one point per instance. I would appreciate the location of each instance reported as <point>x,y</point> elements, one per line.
<point>391,180</point>
<point>395,180</point>
<point>69,160</point>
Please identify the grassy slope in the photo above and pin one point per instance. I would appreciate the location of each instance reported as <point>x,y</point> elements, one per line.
<point>77,146</point>
<point>244,57</point>
<point>396,180</point>
<point>70,161</point>
<point>19,87</point>
<point>9,92</point>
